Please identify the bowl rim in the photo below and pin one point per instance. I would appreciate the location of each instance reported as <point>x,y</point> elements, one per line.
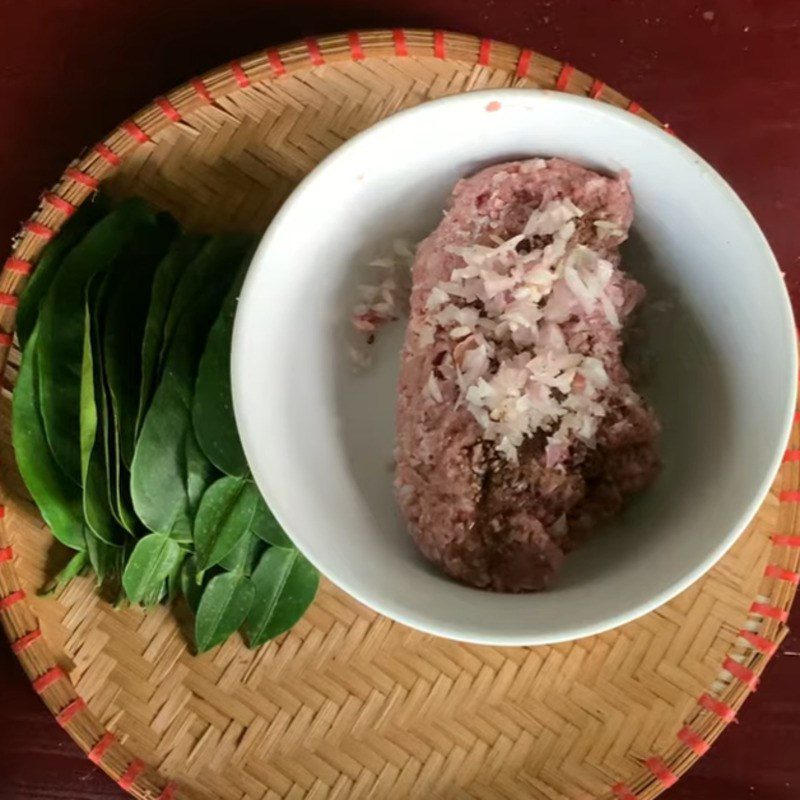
<point>373,600</point>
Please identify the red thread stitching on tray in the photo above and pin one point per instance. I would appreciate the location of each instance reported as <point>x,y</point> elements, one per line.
<point>722,710</point>
<point>241,76</point>
<point>485,52</point>
<point>741,672</point>
<point>693,741</point>
<point>769,610</point>
<point>128,778</point>
<point>74,708</point>
<point>2,511</point>
<point>24,642</point>
<point>107,154</point>
<point>634,107</point>
<point>50,677</point>
<point>785,540</point>
<point>170,790</point>
<point>275,63</point>
<point>314,53</point>
<point>169,110</point>
<point>81,177</point>
<point>356,51</point>
<point>60,203</point>
<point>524,62</point>
<point>18,265</point>
<point>101,748</point>
<point>438,44</point>
<point>6,554</point>
<point>6,339</point>
<point>38,229</point>
<point>781,574</point>
<point>791,455</point>
<point>596,88</point>
<point>9,600</point>
<point>400,46</point>
<point>134,131</point>
<point>623,792</point>
<point>789,496</point>
<point>564,76</point>
<point>201,90</point>
<point>661,771</point>
<point>759,642</point>
<point>10,300</point>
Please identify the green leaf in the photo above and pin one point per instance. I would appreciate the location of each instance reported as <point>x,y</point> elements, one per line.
<point>286,584</point>
<point>212,411</point>
<point>150,564</point>
<point>96,507</point>
<point>245,555</point>
<point>122,512</point>
<point>200,473</point>
<point>168,273</point>
<point>49,262</point>
<point>58,498</point>
<point>266,527</point>
<point>61,326</point>
<point>158,480</point>
<point>192,584</point>
<point>161,495</point>
<point>174,578</point>
<point>156,594</point>
<point>116,478</point>
<point>217,262</point>
<point>121,488</point>
<point>223,608</point>
<point>223,519</point>
<point>121,318</point>
<point>107,560</point>
<point>125,314</point>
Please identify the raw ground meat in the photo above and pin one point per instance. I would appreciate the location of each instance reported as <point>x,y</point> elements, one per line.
<point>503,516</point>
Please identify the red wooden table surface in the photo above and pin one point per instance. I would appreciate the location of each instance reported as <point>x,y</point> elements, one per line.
<point>724,73</point>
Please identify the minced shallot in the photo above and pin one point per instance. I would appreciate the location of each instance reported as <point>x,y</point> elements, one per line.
<point>383,298</point>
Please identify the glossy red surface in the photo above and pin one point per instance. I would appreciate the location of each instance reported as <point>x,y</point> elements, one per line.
<point>724,74</point>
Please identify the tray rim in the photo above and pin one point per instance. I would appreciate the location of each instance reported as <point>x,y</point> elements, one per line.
<point>769,610</point>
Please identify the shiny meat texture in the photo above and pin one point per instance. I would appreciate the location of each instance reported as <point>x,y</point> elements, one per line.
<point>505,520</point>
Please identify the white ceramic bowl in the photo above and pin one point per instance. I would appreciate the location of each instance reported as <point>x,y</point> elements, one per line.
<point>319,439</point>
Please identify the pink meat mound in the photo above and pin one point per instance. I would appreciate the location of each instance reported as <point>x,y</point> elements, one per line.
<point>518,430</point>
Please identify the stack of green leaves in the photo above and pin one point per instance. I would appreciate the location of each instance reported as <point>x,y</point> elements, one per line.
<point>123,423</point>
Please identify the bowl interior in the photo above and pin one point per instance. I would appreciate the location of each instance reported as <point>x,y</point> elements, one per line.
<point>719,358</point>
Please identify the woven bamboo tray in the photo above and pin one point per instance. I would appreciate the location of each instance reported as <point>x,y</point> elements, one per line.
<point>349,704</point>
